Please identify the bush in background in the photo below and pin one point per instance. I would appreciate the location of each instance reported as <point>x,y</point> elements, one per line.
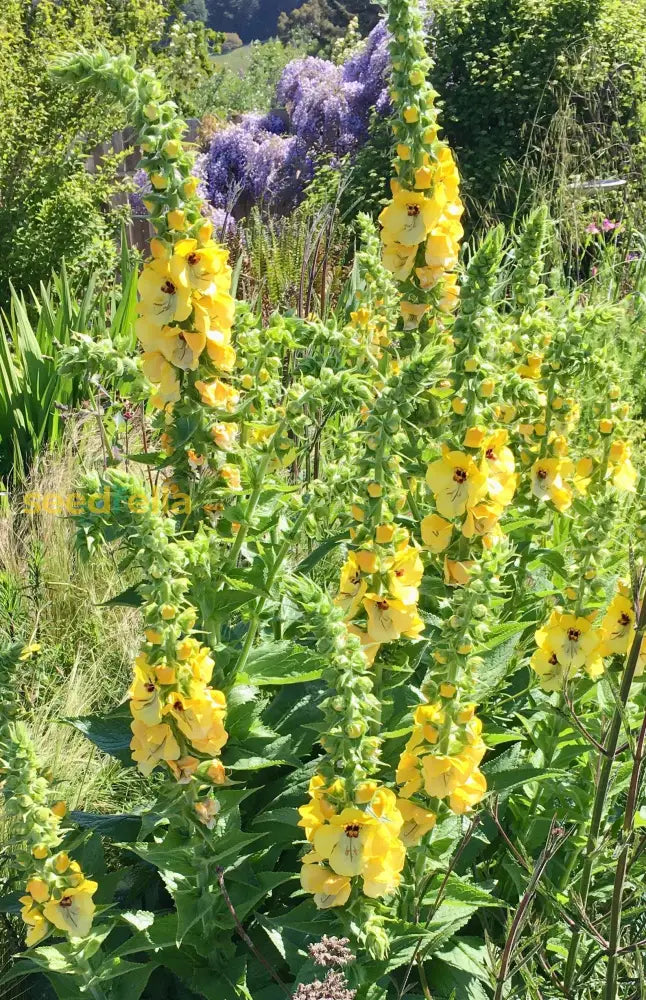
<point>49,204</point>
<point>505,69</point>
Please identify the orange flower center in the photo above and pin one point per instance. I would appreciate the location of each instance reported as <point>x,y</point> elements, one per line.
<point>66,901</point>
<point>352,830</point>
<point>624,619</point>
<point>168,288</point>
<point>460,475</point>
<point>413,210</point>
<point>574,634</point>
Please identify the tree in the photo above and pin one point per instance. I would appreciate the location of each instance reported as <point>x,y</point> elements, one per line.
<point>195,10</point>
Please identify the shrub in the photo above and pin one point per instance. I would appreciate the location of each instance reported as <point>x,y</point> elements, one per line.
<point>505,68</point>
<point>49,204</point>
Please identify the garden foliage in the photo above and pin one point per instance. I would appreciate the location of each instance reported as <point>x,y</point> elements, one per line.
<point>387,709</point>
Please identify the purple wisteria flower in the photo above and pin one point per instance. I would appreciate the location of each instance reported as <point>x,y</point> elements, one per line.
<point>269,159</point>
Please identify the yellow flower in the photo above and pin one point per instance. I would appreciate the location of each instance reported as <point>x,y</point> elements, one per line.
<point>312,816</point>
<point>409,217</point>
<point>408,774</point>
<point>622,470</point>
<point>344,840</point>
<point>405,571</point>
<point>474,437</point>
<point>352,588</point>
<point>184,769</point>
<point>161,373</point>
<point>182,348</point>
<point>207,812</point>
<point>74,911</point>
<point>145,701</point>
<point>224,435</point>
<point>417,822</point>
<point>617,626</point>
<point>38,928</point>
<point>456,482</point>
<point>546,664</point>
<point>436,533</point>
<point>501,476</point>
<point>466,796</point>
<point>161,299</point>
<point>216,772</point>
<point>38,890</point>
<point>532,369</point>
<point>382,874</point>
<point>200,719</point>
<point>366,560</point>
<point>152,744</point>
<point>482,520</point>
<point>547,482</point>
<point>388,617</point>
<point>217,394</point>
<point>456,573</point>
<point>328,888</point>
<point>571,638</point>
<point>177,220</point>
<point>442,774</point>
<point>202,268</point>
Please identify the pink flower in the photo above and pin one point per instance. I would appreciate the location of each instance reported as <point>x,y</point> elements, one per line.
<point>593,229</point>
<point>608,225</point>
<point>594,272</point>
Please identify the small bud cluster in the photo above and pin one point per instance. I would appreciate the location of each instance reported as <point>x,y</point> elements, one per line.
<point>58,897</point>
<point>421,225</point>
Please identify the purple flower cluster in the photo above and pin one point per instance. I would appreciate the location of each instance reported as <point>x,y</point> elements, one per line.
<point>269,159</point>
<point>252,162</point>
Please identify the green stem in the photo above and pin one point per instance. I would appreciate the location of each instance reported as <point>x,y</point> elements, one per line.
<point>602,789</point>
<point>252,504</point>
<point>281,555</point>
<point>622,868</point>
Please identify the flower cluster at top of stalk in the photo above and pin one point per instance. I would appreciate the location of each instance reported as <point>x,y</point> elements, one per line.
<point>576,638</point>
<point>573,452</point>
<point>186,311</point>
<point>58,896</point>
<point>472,482</point>
<point>421,227</point>
<point>177,717</point>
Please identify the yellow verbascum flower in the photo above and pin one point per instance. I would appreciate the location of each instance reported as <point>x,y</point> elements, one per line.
<point>352,587</point>
<point>161,299</point>
<point>409,217</point>
<point>389,618</point>
<point>152,744</point>
<point>436,533</point>
<point>73,912</point>
<point>456,482</point>
<point>417,822</point>
<point>404,573</point>
<point>369,647</point>
<point>618,626</point>
<point>328,888</point>
<point>204,269</point>
<point>547,482</point>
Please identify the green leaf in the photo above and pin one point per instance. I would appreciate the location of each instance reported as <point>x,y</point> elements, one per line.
<point>118,826</point>
<point>310,561</point>
<point>129,598</point>
<point>110,733</point>
<point>276,663</point>
<point>468,954</point>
